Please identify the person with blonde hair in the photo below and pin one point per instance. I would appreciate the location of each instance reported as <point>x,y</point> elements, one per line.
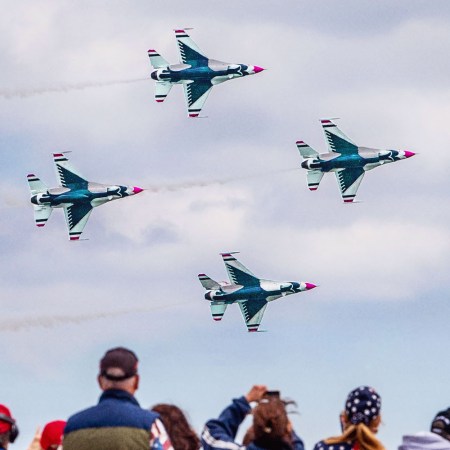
<point>359,421</point>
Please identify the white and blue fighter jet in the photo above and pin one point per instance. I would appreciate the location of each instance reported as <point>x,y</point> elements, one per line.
<point>252,294</point>
<point>196,72</point>
<point>77,196</point>
<point>347,160</point>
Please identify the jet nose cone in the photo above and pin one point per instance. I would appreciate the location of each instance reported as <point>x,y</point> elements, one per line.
<point>136,190</point>
<point>258,69</point>
<point>310,286</point>
<point>409,154</point>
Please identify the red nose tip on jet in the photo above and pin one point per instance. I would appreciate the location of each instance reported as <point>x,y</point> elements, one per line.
<point>258,69</point>
<point>310,286</point>
<point>408,154</point>
<point>136,190</point>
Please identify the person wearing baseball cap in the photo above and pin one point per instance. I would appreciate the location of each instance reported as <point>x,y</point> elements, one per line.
<point>359,422</point>
<point>438,438</point>
<point>8,428</point>
<point>117,422</point>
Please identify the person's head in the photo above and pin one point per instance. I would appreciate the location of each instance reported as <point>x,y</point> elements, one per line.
<point>180,432</point>
<point>52,434</point>
<point>118,370</point>
<point>360,419</point>
<point>8,427</point>
<point>441,424</point>
<point>271,427</point>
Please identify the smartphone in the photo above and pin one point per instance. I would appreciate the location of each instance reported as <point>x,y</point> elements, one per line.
<point>272,394</point>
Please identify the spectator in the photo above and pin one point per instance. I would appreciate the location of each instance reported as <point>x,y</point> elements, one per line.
<point>8,428</point>
<point>51,437</point>
<point>181,434</point>
<point>117,422</point>
<point>436,439</point>
<point>359,423</point>
<point>271,428</point>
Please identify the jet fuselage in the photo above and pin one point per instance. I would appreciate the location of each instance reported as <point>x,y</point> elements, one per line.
<point>96,194</point>
<point>214,71</point>
<point>366,159</point>
<point>267,290</point>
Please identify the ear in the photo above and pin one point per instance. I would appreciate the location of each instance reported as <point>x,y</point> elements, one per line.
<point>100,381</point>
<point>136,382</point>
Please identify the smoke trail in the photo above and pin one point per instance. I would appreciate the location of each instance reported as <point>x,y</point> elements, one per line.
<point>173,187</point>
<point>54,321</point>
<point>24,93</point>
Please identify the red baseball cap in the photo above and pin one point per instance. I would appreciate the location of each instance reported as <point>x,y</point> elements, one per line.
<point>5,425</point>
<point>52,434</point>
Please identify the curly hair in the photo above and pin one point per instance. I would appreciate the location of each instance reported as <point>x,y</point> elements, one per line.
<point>182,436</point>
<point>271,427</point>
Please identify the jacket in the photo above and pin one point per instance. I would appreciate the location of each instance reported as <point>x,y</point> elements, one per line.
<point>220,433</point>
<point>117,422</point>
<point>424,440</point>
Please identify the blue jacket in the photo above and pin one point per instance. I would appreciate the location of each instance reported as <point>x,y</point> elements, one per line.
<point>220,433</point>
<point>116,422</point>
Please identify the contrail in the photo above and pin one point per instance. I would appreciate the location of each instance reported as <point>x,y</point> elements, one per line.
<point>55,320</point>
<point>172,187</point>
<point>24,93</point>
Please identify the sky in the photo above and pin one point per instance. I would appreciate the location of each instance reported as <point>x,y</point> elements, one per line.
<point>75,77</point>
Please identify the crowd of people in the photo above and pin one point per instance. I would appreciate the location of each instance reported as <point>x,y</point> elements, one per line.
<point>118,422</point>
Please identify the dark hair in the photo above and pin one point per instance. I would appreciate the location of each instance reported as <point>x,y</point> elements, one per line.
<point>181,434</point>
<point>270,428</point>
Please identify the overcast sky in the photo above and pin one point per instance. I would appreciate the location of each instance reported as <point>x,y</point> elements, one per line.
<point>75,77</point>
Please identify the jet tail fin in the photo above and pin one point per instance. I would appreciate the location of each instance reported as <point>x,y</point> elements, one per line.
<point>314,177</point>
<point>218,310</point>
<point>41,214</point>
<point>156,60</point>
<point>305,150</point>
<point>208,283</point>
<point>36,185</point>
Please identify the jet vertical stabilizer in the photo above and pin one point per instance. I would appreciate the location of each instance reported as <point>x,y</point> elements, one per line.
<point>218,310</point>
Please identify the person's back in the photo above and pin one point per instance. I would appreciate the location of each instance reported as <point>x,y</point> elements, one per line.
<point>359,420</point>
<point>117,422</point>
<point>436,439</point>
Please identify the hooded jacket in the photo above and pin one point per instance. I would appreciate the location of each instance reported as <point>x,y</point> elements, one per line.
<point>425,440</point>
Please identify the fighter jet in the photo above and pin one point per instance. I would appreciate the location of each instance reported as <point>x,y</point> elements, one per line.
<point>76,196</point>
<point>251,293</point>
<point>347,160</point>
<point>196,72</point>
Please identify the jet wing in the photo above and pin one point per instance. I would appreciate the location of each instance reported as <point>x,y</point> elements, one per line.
<point>349,181</point>
<point>76,219</point>
<point>338,142</point>
<point>238,273</point>
<point>196,94</point>
<point>253,311</point>
<point>189,51</point>
<point>162,90</point>
<point>66,173</point>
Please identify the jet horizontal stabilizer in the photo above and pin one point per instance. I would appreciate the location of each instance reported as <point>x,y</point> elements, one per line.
<point>208,283</point>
